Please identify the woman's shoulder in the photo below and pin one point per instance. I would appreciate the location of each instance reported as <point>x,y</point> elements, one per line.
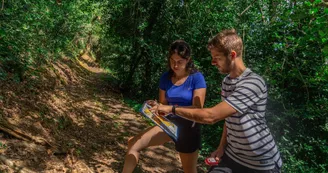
<point>165,74</point>
<point>198,80</point>
<point>197,75</point>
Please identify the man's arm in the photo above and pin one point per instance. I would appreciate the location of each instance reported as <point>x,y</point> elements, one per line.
<point>207,115</point>
<point>218,153</point>
<point>204,116</point>
<point>223,142</point>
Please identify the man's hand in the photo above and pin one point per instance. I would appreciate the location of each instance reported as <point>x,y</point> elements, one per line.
<point>161,109</point>
<point>217,154</point>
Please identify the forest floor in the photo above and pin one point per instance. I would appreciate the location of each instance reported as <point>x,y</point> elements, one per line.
<point>67,117</point>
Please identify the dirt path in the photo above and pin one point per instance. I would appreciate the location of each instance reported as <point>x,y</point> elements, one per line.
<point>71,106</point>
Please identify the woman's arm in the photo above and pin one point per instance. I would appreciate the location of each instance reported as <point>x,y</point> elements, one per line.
<point>162,98</point>
<point>199,98</point>
<point>199,91</point>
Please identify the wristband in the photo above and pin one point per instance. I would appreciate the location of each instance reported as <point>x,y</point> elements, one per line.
<point>173,109</point>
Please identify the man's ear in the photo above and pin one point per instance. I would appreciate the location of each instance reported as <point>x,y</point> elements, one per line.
<point>233,55</point>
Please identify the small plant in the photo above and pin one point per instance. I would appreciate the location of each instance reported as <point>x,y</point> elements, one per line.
<point>3,146</point>
<point>78,152</point>
<point>116,116</point>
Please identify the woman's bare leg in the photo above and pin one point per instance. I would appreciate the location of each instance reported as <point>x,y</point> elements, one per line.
<point>153,136</point>
<point>189,161</point>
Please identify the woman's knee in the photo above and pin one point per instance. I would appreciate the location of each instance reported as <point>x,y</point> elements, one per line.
<point>132,145</point>
<point>130,142</point>
<point>137,142</point>
<point>151,137</point>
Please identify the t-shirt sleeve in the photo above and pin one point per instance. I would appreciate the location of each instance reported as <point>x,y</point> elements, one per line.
<point>163,81</point>
<point>199,81</point>
<point>246,95</point>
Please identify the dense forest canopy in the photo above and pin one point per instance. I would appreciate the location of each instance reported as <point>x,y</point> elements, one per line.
<point>284,41</point>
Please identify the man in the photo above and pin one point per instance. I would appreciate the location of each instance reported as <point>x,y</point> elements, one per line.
<point>246,143</point>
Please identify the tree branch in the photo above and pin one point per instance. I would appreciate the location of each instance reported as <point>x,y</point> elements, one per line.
<point>246,8</point>
<point>16,132</point>
<point>262,14</point>
<point>3,4</point>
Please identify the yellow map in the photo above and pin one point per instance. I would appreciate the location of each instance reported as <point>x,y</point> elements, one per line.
<point>170,128</point>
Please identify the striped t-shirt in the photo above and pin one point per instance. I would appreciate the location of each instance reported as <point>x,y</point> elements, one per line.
<point>250,142</point>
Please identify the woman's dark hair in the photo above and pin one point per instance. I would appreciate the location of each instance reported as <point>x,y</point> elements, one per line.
<point>182,48</point>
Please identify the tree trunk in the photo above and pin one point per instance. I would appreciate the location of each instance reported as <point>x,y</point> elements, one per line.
<point>154,13</point>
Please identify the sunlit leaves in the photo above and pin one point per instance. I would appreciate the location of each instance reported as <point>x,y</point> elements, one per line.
<point>325,50</point>
<point>313,11</point>
<point>36,30</point>
<point>285,42</point>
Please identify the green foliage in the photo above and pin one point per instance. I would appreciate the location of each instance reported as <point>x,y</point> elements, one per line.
<point>296,68</point>
<point>284,41</point>
<point>133,104</point>
<point>35,32</point>
<point>3,146</point>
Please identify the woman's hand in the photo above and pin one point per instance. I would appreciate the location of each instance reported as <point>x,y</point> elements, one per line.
<point>152,103</point>
<point>161,109</point>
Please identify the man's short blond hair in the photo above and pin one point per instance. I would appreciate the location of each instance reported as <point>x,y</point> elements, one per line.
<point>226,41</point>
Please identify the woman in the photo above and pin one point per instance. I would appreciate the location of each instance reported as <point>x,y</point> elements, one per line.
<point>184,86</point>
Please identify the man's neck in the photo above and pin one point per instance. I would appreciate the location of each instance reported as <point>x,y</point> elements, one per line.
<point>238,69</point>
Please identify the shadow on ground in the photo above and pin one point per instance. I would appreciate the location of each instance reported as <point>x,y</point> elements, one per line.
<point>82,116</point>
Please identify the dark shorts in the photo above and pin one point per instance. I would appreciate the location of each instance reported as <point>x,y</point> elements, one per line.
<point>227,165</point>
<point>189,138</point>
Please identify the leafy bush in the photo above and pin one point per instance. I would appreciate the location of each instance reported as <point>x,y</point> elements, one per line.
<point>33,33</point>
<point>285,42</point>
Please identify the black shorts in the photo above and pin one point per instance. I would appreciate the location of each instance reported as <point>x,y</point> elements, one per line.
<point>228,165</point>
<point>189,136</point>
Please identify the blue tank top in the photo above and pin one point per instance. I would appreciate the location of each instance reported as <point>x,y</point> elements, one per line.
<point>181,95</point>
